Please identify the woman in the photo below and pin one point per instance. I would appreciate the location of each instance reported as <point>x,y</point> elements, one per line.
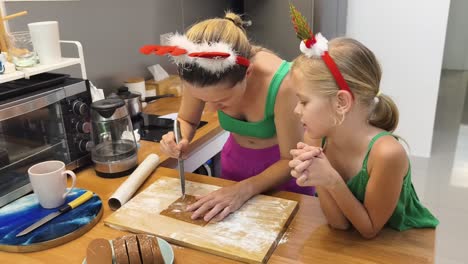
<point>255,102</point>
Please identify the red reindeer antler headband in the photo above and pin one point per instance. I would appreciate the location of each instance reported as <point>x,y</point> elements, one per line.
<point>316,46</point>
<point>214,57</point>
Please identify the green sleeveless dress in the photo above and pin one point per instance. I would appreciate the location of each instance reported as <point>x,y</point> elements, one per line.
<point>409,212</point>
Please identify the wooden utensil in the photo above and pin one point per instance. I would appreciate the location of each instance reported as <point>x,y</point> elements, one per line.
<point>4,42</point>
<point>15,15</point>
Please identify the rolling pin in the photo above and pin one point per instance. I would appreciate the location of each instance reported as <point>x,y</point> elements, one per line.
<point>134,181</point>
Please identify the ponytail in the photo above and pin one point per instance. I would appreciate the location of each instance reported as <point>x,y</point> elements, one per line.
<point>385,114</point>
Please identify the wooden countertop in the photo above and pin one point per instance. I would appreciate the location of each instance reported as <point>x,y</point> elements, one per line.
<point>307,240</point>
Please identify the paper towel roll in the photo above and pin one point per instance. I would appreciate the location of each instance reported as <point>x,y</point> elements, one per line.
<point>136,85</point>
<point>134,181</point>
<point>46,41</point>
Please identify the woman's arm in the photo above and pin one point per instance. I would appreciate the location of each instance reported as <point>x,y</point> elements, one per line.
<point>289,132</point>
<point>189,115</point>
<point>221,203</point>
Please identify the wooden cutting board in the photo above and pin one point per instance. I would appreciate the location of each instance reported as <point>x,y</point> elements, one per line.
<point>18,215</point>
<point>249,235</point>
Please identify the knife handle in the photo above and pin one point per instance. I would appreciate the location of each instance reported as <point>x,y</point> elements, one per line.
<point>177,132</point>
<point>77,202</point>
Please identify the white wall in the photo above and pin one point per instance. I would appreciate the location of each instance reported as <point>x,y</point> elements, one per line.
<point>456,45</point>
<point>408,39</point>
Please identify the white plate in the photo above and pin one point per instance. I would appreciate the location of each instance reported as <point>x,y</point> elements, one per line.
<point>166,251</point>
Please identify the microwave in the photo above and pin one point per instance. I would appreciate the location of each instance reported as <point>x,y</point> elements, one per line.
<point>51,123</point>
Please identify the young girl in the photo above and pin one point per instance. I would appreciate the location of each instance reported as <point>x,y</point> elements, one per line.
<point>255,102</point>
<point>360,169</point>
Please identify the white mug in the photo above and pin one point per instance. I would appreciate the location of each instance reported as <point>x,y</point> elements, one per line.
<point>49,182</point>
<point>45,37</point>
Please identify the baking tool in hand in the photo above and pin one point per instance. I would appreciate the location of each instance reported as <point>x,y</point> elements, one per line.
<point>178,136</point>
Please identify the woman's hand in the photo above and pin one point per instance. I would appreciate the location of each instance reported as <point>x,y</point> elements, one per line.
<point>220,203</point>
<point>311,167</point>
<point>171,148</point>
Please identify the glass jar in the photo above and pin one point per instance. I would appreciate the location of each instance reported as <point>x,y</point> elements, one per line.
<point>21,50</point>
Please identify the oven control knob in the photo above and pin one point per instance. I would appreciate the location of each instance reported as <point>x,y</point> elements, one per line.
<point>80,108</point>
<point>85,145</point>
<point>83,127</point>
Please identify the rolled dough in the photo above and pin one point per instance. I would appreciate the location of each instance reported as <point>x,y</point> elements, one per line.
<point>177,210</point>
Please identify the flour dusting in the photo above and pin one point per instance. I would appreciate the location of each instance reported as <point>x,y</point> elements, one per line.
<point>247,233</point>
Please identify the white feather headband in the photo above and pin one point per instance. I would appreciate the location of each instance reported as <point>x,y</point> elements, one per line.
<point>214,57</point>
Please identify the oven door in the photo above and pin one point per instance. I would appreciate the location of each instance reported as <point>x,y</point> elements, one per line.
<point>31,130</point>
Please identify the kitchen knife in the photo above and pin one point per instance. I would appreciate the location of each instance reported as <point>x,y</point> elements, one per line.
<point>178,136</point>
<point>63,209</point>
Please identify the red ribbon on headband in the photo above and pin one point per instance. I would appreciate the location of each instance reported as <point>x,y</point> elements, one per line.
<point>339,79</point>
<point>176,51</point>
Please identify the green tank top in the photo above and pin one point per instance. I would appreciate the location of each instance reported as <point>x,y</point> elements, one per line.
<point>409,212</point>
<point>265,128</point>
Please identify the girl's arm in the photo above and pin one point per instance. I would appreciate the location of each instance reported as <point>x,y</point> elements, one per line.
<point>387,167</point>
<point>332,212</point>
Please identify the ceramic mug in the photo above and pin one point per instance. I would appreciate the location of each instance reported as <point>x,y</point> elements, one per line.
<point>49,182</point>
<point>45,38</point>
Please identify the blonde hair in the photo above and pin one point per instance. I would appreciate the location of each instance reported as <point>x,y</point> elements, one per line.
<point>229,30</point>
<point>362,72</point>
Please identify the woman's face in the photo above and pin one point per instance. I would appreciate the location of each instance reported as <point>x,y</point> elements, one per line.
<point>218,96</point>
<point>315,110</point>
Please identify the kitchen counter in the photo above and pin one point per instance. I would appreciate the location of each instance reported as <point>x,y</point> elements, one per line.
<point>307,240</point>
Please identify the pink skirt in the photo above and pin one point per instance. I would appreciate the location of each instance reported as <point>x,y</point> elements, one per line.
<point>239,163</point>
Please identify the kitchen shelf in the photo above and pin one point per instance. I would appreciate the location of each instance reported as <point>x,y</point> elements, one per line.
<point>11,76</point>
<point>65,62</point>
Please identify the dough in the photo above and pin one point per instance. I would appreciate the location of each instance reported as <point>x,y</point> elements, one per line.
<point>120,250</point>
<point>144,241</point>
<point>157,256</point>
<point>177,210</point>
<point>99,252</point>
<point>132,249</point>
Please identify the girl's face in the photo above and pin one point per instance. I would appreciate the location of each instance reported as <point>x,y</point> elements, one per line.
<point>218,96</point>
<point>315,110</point>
